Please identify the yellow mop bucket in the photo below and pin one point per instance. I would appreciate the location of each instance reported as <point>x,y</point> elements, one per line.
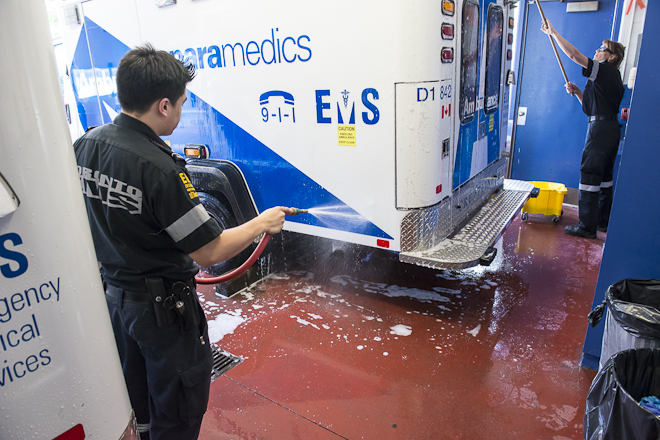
<point>548,201</point>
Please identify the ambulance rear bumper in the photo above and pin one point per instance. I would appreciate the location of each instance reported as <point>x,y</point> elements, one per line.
<point>466,246</point>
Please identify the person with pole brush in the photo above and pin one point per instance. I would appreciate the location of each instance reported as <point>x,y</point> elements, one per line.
<point>149,228</point>
<point>600,101</point>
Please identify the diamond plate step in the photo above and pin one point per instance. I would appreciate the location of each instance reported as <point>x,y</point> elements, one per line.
<point>468,245</point>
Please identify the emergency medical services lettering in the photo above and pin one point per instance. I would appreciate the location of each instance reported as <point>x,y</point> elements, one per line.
<point>12,256</point>
<point>17,325</point>
<point>370,118</point>
<point>269,51</point>
<point>188,185</point>
<point>112,192</point>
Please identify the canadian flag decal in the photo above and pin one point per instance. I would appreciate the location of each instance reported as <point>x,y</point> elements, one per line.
<point>447,111</point>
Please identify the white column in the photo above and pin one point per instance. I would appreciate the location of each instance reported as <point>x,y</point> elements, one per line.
<point>60,371</point>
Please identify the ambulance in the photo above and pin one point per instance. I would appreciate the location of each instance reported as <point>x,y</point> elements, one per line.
<point>387,119</point>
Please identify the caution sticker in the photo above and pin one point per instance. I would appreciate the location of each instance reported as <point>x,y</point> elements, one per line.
<point>491,123</point>
<point>346,135</point>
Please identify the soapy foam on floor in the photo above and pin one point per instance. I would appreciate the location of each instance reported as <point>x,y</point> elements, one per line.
<point>304,290</point>
<point>401,330</point>
<point>223,325</point>
<point>474,331</point>
<point>394,291</point>
<point>302,321</point>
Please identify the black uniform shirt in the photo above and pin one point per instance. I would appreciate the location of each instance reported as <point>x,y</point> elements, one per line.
<point>144,213</point>
<point>604,90</point>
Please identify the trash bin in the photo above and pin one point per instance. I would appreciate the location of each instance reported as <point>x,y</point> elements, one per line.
<point>613,411</point>
<point>633,317</point>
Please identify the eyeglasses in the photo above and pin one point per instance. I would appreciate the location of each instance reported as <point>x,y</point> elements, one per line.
<point>604,49</point>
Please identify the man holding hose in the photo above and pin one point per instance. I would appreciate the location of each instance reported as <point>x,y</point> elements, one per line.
<point>149,228</point>
<point>600,101</point>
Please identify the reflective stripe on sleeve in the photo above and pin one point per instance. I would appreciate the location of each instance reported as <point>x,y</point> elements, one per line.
<point>594,71</point>
<point>143,427</point>
<point>590,188</point>
<point>187,223</point>
<point>609,184</point>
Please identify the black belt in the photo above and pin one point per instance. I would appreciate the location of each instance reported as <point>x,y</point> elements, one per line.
<point>603,118</point>
<point>120,295</point>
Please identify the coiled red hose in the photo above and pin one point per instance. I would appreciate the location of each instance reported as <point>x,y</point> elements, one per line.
<point>239,270</point>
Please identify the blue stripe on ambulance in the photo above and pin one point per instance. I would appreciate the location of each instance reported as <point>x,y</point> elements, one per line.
<point>272,180</point>
<point>469,131</point>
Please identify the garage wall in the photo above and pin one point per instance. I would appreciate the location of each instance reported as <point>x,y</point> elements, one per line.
<point>548,143</point>
<point>632,249</point>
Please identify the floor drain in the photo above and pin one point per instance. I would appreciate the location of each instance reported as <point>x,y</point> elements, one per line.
<point>222,362</point>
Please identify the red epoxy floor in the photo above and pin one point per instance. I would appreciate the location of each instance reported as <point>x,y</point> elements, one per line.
<point>377,349</point>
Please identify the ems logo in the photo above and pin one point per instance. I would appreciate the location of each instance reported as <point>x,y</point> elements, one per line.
<point>446,111</point>
<point>189,186</point>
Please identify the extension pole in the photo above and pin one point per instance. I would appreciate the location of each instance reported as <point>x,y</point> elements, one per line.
<point>554,47</point>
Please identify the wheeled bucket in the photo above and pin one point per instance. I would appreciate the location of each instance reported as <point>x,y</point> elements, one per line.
<point>548,201</point>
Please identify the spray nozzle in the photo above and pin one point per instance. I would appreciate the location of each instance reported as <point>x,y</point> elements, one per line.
<point>296,211</point>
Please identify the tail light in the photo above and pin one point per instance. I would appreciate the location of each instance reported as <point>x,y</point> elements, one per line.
<point>447,54</point>
<point>193,151</point>
<point>447,31</point>
<point>448,7</point>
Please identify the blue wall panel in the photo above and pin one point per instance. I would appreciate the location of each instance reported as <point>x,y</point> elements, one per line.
<point>632,249</point>
<point>549,146</point>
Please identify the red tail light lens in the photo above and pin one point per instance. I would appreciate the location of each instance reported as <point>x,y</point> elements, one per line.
<point>447,55</point>
<point>447,31</point>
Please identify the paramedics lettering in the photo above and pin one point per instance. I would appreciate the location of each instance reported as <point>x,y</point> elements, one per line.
<point>270,51</point>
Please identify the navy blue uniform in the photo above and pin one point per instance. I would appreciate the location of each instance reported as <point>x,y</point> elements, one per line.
<point>600,101</point>
<point>145,218</point>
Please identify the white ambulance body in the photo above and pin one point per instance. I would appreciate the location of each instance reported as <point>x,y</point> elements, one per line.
<point>388,118</point>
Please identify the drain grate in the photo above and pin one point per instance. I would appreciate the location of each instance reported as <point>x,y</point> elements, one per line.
<point>222,362</point>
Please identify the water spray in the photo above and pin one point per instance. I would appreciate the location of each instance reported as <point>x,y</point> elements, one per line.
<point>250,261</point>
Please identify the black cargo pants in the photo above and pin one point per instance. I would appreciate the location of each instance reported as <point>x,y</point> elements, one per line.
<point>597,174</point>
<point>167,371</point>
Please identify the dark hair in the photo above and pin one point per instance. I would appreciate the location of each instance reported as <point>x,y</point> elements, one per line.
<point>146,75</point>
<point>615,49</point>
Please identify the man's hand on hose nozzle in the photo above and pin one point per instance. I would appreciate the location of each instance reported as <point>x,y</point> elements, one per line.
<point>234,240</point>
<point>273,219</point>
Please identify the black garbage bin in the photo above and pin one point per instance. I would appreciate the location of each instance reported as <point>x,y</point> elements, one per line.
<point>613,411</point>
<point>633,317</point>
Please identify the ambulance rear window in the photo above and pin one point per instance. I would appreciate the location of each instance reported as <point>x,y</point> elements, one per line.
<point>493,58</point>
<point>469,58</point>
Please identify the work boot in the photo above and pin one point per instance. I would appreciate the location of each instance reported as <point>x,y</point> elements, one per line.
<point>578,232</point>
<point>602,228</point>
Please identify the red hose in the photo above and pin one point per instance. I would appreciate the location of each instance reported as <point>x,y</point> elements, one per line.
<point>239,270</point>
